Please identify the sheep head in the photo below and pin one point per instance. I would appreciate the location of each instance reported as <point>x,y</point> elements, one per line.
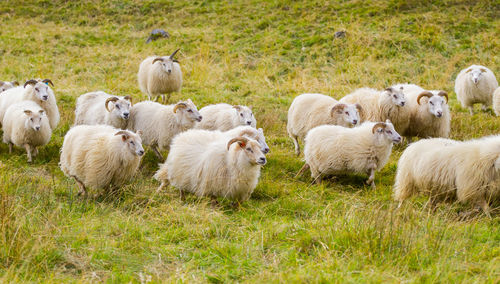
<point>167,63</point>
<point>132,141</point>
<point>387,130</point>
<point>40,88</point>
<point>251,148</point>
<point>245,115</point>
<point>397,96</point>
<point>349,112</point>
<point>34,120</point>
<point>189,110</point>
<point>121,107</point>
<point>258,135</point>
<point>7,85</point>
<point>475,74</point>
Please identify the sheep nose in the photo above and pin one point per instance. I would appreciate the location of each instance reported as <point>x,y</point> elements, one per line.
<point>37,128</point>
<point>199,118</point>
<point>439,114</point>
<point>45,98</point>
<point>262,161</point>
<point>402,103</point>
<point>140,152</point>
<point>355,121</point>
<point>169,71</point>
<point>125,115</point>
<point>249,122</point>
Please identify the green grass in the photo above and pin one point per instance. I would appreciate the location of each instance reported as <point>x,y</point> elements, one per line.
<point>259,53</point>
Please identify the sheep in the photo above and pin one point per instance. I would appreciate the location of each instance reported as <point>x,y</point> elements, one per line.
<point>310,110</point>
<point>496,101</point>
<point>160,123</point>
<point>219,168</point>
<point>224,117</point>
<point>25,124</point>
<point>333,149</point>
<point>7,85</point>
<point>160,75</point>
<point>381,105</point>
<point>468,171</point>
<point>95,108</point>
<point>100,156</point>
<point>429,112</point>
<point>475,84</point>
<point>33,90</point>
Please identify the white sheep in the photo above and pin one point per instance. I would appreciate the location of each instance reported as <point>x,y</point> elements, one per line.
<point>333,149</point>
<point>447,169</point>
<point>496,101</point>
<point>310,110</point>
<point>100,156</point>
<point>33,90</point>
<point>101,108</point>
<point>160,75</point>
<point>160,123</point>
<point>224,117</point>
<point>475,84</point>
<point>26,125</point>
<point>7,85</point>
<point>220,168</point>
<point>381,105</point>
<point>429,112</point>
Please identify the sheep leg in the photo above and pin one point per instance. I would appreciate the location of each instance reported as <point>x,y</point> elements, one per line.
<point>485,206</point>
<point>10,147</point>
<point>35,151</point>
<point>484,107</point>
<point>164,183</point>
<point>157,152</point>
<point>81,186</point>
<point>408,139</point>
<point>28,152</point>
<point>371,179</point>
<point>302,170</point>
<point>297,146</point>
<point>471,110</point>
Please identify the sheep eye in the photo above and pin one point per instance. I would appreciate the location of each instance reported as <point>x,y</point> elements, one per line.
<point>241,114</point>
<point>347,113</point>
<point>132,142</point>
<point>31,119</point>
<point>36,89</point>
<point>389,132</point>
<point>395,96</point>
<point>250,150</point>
<point>190,110</point>
<point>431,103</point>
<point>117,106</point>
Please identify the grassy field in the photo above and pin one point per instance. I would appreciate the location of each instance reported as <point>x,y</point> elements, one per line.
<point>259,53</point>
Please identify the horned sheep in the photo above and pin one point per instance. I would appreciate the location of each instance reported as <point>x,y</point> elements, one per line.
<point>475,84</point>
<point>100,156</point>
<point>446,169</point>
<point>219,168</point>
<point>310,110</point>
<point>33,90</point>
<point>101,108</point>
<point>381,105</point>
<point>26,125</point>
<point>333,149</point>
<point>160,75</point>
<point>224,117</point>
<point>160,123</point>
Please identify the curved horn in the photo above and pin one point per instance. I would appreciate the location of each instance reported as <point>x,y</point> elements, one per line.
<point>111,99</point>
<point>337,107</point>
<point>128,98</point>
<point>157,59</point>
<point>179,105</point>
<point>173,54</point>
<point>378,125</point>
<point>30,82</point>
<point>241,140</point>
<point>237,107</point>
<point>48,81</point>
<point>443,94</point>
<point>123,132</point>
<point>424,94</point>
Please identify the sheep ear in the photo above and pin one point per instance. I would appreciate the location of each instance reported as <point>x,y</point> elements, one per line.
<point>15,83</point>
<point>41,111</point>
<point>123,133</point>
<point>139,132</point>
<point>390,90</point>
<point>483,70</point>
<point>237,107</point>
<point>261,130</point>
<point>28,112</point>
<point>468,70</point>
<point>388,121</point>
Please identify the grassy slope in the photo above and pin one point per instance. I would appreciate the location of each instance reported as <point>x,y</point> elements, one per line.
<point>260,53</point>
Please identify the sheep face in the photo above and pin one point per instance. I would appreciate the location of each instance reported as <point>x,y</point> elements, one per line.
<point>475,75</point>
<point>34,119</point>
<point>41,91</point>
<point>187,110</point>
<point>7,85</point>
<point>436,105</point>
<point>251,149</point>
<point>385,132</point>
<point>245,115</point>
<point>132,141</point>
<point>120,108</point>
<point>397,96</point>
<point>348,112</point>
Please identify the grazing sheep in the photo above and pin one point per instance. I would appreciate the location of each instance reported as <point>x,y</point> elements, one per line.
<point>33,90</point>
<point>333,149</point>
<point>160,75</point>
<point>7,85</point>
<point>25,124</point>
<point>475,84</point>
<point>447,169</point>
<point>220,168</point>
<point>101,108</point>
<point>310,110</point>
<point>100,156</point>
<point>381,105</point>
<point>496,101</point>
<point>224,117</point>
<point>160,123</point>
<point>429,112</point>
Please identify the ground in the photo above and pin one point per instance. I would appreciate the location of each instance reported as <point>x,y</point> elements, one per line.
<point>263,54</point>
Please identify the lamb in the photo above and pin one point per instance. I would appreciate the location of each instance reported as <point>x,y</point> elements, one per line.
<point>310,110</point>
<point>333,149</point>
<point>381,105</point>
<point>475,84</point>
<point>7,85</point>
<point>25,124</point>
<point>160,75</point>
<point>160,123</point>
<point>33,90</point>
<point>95,108</point>
<point>224,117</point>
<point>429,112</point>
<point>446,169</point>
<point>100,156</point>
<point>219,168</point>
<point>496,101</point>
